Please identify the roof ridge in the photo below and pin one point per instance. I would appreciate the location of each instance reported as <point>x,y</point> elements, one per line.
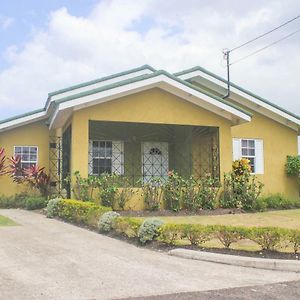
<point>146,76</point>
<point>197,68</point>
<point>104,78</point>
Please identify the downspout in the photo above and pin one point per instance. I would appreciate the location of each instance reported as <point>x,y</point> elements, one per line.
<point>226,55</point>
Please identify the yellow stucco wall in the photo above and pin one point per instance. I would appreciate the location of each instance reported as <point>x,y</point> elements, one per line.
<point>279,141</point>
<point>153,106</point>
<point>159,107</point>
<point>35,134</point>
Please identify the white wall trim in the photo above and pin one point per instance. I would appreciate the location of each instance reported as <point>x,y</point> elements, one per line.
<point>254,100</point>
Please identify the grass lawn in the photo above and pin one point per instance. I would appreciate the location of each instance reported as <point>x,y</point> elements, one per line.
<point>4,221</point>
<point>280,218</point>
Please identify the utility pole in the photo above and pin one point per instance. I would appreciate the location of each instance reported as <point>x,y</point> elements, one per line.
<point>226,53</point>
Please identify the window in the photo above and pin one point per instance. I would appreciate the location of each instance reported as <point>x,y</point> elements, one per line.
<point>252,149</point>
<point>248,151</point>
<point>28,154</point>
<point>106,157</point>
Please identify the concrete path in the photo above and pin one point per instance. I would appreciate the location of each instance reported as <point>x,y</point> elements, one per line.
<point>49,259</point>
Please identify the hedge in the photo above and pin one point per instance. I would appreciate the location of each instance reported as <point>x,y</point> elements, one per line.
<point>268,238</point>
<point>80,212</point>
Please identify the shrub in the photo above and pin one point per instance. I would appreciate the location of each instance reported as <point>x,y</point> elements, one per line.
<point>267,237</point>
<point>152,193</point>
<point>277,201</point>
<point>106,221</point>
<point>107,189</point>
<point>8,202</point>
<point>32,203</point>
<point>190,194</point>
<point>294,238</point>
<point>127,226</point>
<point>292,165</point>
<point>172,191</point>
<point>80,212</point>
<point>241,189</point>
<point>52,207</point>
<point>149,230</point>
<point>169,233</point>
<point>228,234</point>
<point>197,234</point>
<point>208,190</point>
<point>124,194</point>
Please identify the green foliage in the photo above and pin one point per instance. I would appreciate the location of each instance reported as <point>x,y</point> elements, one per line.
<point>152,193</point>
<point>107,220</point>
<point>200,194</point>
<point>229,234</point>
<point>80,212</point>
<point>294,238</point>
<point>276,201</point>
<point>127,226</point>
<point>32,203</point>
<point>241,189</point>
<point>173,191</point>
<point>108,188</point>
<point>23,200</point>
<point>169,233</point>
<point>197,234</point>
<point>124,193</point>
<point>267,237</point>
<point>52,207</point>
<point>9,202</point>
<point>149,230</point>
<point>292,165</point>
<point>208,190</point>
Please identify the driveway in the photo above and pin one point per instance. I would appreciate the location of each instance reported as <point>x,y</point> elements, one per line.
<point>48,259</point>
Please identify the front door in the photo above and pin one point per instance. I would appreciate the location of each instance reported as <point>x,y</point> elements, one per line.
<point>155,160</point>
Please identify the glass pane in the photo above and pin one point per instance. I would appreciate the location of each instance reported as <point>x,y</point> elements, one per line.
<point>26,150</point>
<point>251,143</point>
<point>33,150</point>
<point>244,143</point>
<point>251,152</point>
<point>244,151</point>
<point>25,157</point>
<point>18,150</point>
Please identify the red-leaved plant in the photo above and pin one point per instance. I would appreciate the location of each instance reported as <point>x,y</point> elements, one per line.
<point>3,167</point>
<point>34,176</point>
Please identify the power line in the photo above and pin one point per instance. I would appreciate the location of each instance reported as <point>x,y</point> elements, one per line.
<point>263,48</point>
<point>262,35</point>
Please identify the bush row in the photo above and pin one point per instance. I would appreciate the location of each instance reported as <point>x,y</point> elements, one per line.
<point>23,200</point>
<point>268,238</point>
<point>75,211</point>
<point>276,201</point>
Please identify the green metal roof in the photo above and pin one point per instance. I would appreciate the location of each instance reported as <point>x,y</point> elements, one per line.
<point>147,76</point>
<point>198,68</point>
<point>22,115</point>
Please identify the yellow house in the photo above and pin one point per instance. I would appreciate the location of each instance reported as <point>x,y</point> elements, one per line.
<point>142,123</point>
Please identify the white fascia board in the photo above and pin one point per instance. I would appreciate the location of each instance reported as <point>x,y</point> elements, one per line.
<point>100,84</point>
<point>192,95</point>
<point>258,102</point>
<point>23,121</point>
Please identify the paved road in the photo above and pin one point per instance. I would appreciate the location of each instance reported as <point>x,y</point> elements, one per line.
<point>48,259</point>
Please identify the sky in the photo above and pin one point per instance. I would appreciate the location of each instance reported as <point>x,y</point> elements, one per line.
<point>49,45</point>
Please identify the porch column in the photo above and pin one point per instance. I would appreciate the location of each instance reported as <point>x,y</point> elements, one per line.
<point>79,145</point>
<point>225,146</point>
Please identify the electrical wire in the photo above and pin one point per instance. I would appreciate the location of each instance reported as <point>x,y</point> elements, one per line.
<point>263,48</point>
<point>262,35</point>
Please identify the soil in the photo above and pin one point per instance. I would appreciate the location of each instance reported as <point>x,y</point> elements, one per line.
<point>169,213</point>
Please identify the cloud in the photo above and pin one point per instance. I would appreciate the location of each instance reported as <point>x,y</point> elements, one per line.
<point>121,34</point>
<point>6,22</point>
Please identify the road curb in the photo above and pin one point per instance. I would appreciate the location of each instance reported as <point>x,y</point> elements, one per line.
<point>250,262</point>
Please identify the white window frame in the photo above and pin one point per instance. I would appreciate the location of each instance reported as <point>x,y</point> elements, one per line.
<point>27,161</point>
<point>258,153</point>
<point>91,157</point>
<point>248,156</point>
